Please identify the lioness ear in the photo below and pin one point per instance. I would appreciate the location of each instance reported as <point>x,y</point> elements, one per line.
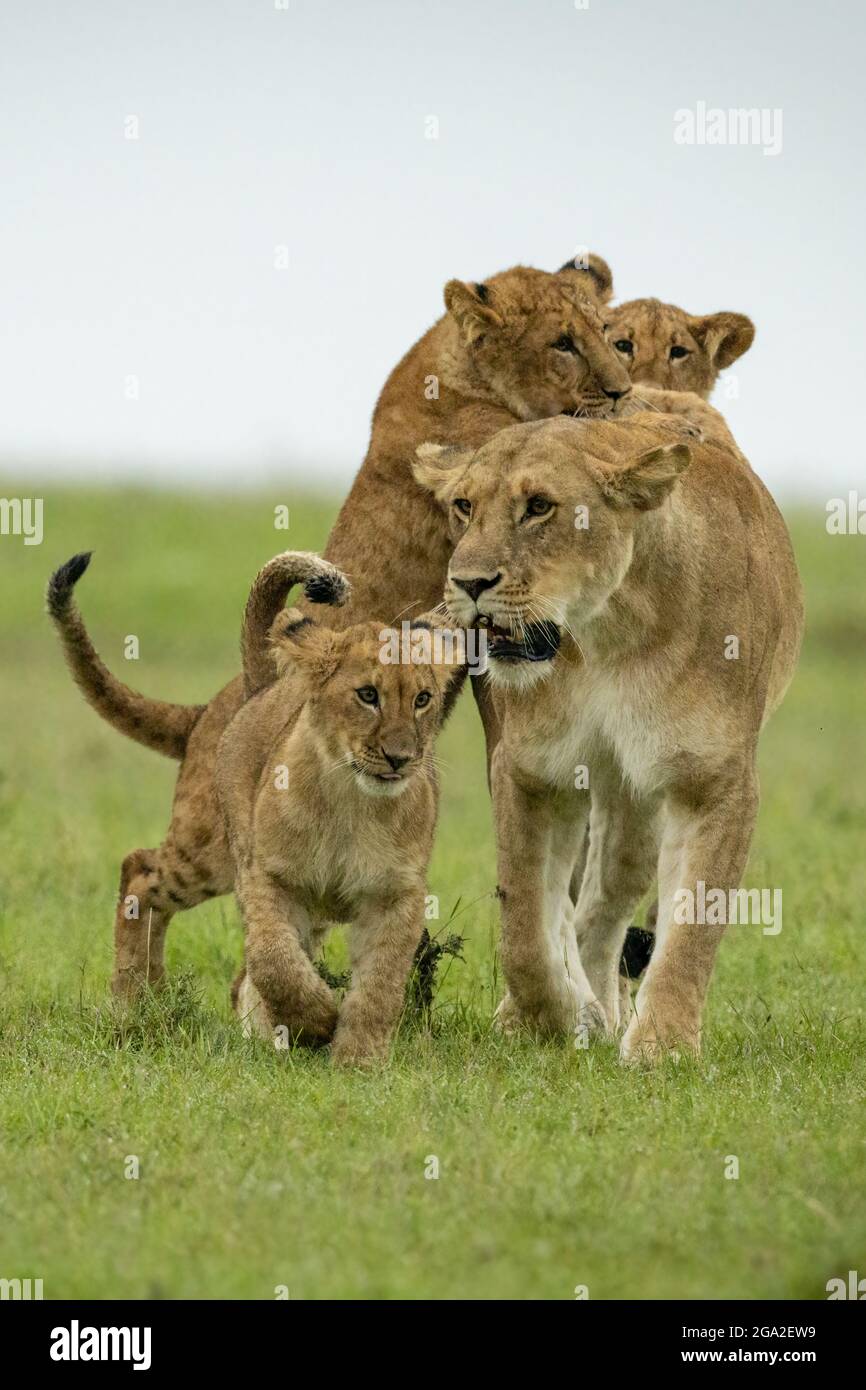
<point>437,466</point>
<point>724,337</point>
<point>646,483</point>
<point>300,643</point>
<point>471,309</point>
<point>595,272</point>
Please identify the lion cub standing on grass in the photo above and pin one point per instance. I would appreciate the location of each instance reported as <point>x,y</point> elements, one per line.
<point>329,793</point>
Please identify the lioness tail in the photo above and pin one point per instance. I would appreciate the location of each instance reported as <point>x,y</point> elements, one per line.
<point>323,583</point>
<point>158,725</point>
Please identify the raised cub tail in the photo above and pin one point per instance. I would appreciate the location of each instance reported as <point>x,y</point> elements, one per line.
<point>323,583</point>
<point>158,725</point>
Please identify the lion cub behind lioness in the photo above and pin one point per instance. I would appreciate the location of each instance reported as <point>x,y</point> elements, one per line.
<point>329,793</point>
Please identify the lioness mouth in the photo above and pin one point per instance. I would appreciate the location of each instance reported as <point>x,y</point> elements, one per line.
<point>538,642</point>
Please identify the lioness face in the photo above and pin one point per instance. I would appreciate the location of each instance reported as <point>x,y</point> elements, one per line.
<point>661,345</point>
<point>543,520</point>
<point>374,718</point>
<point>537,342</point>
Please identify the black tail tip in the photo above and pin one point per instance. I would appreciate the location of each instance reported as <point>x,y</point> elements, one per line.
<point>636,952</point>
<point>64,579</point>
<point>326,588</point>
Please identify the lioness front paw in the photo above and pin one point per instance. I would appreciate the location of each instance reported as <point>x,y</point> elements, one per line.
<point>355,1050</point>
<point>550,1018</point>
<point>592,1021</point>
<point>651,1036</point>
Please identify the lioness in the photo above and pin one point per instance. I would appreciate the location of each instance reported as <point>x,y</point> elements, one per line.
<point>522,345</point>
<point>658,585</point>
<point>329,790</point>
<point>662,345</point>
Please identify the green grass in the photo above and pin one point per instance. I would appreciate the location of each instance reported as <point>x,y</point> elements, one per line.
<point>257,1169</point>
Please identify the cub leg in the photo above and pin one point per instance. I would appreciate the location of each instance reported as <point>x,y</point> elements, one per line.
<point>382,944</point>
<point>154,885</point>
<point>294,995</point>
<point>193,864</point>
<point>703,841</point>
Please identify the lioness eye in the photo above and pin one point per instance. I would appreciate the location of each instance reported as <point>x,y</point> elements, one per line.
<point>565,343</point>
<point>538,506</point>
<point>624,345</point>
<point>368,695</point>
<point>678,352</point>
<point>463,505</point>
<point>422,698</point>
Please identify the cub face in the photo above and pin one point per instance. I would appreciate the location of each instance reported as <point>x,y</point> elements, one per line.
<point>376,719</point>
<point>661,345</point>
<point>537,340</point>
<point>543,520</point>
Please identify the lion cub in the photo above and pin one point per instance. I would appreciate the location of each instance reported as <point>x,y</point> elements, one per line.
<point>329,793</point>
<point>662,345</point>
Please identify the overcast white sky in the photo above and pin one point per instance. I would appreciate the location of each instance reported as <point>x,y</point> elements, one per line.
<point>304,127</point>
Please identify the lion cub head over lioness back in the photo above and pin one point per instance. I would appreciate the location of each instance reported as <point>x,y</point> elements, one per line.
<point>662,345</point>
<point>535,342</point>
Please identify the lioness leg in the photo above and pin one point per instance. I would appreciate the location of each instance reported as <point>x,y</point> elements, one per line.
<point>705,840</point>
<point>294,995</point>
<point>548,990</point>
<point>382,944</point>
<point>621,864</point>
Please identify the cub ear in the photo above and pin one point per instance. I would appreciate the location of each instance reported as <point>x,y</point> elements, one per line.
<point>299,643</point>
<point>450,654</point>
<point>471,308</point>
<point>646,483</point>
<point>594,272</point>
<point>724,337</point>
<point>438,466</point>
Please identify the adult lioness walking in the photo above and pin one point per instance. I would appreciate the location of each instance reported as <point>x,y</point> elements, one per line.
<point>523,345</point>
<point>659,576</point>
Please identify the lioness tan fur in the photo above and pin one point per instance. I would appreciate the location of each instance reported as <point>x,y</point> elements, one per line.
<point>648,552</point>
<point>662,345</point>
<point>522,345</point>
<point>329,790</point>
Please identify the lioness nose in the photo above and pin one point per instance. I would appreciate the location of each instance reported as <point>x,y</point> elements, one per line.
<point>396,760</point>
<point>614,395</point>
<point>474,587</point>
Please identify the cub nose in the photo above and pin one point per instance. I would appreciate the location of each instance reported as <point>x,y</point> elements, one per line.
<point>396,760</point>
<point>474,587</point>
<point>614,395</point>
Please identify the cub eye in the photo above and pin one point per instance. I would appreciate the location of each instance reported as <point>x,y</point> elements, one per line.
<point>565,343</point>
<point>463,505</point>
<point>624,345</point>
<point>368,695</point>
<point>422,698</point>
<point>538,506</point>
<point>678,352</point>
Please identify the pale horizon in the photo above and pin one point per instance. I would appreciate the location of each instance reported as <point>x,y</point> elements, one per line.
<point>262,141</point>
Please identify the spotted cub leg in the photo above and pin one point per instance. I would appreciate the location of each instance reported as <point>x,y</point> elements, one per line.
<point>154,885</point>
